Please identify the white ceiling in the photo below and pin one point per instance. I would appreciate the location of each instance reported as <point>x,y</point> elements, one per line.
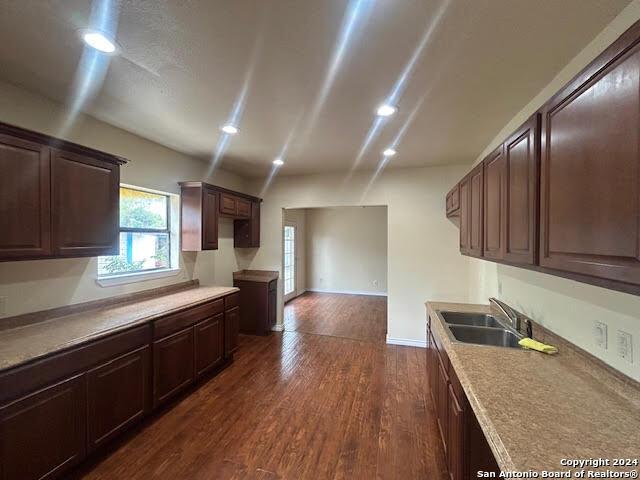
<point>314,72</point>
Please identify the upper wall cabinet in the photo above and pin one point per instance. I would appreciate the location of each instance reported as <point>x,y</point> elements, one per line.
<point>57,201</point>
<point>453,202</point>
<point>590,170</point>
<point>201,206</point>
<point>471,194</point>
<point>511,197</point>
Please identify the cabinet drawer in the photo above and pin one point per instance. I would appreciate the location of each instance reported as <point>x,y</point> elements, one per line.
<point>177,321</point>
<point>228,204</point>
<point>232,300</point>
<point>34,375</point>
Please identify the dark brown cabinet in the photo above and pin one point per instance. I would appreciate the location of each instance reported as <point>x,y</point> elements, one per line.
<point>199,216</point>
<point>231,330</point>
<point>471,223</point>
<point>43,434</point>
<point>57,201</point>
<point>209,344</point>
<point>465,446</point>
<point>453,202</point>
<point>25,202</point>
<point>85,205</point>
<point>173,364</point>
<point>522,164</point>
<point>247,232</point>
<point>201,206</point>
<point>259,300</point>
<point>118,395</point>
<point>494,205</point>
<point>590,170</point>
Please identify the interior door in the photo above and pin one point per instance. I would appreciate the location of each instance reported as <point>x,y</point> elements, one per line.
<point>289,262</point>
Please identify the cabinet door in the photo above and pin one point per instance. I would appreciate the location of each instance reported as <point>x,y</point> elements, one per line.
<point>476,189</point>
<point>590,171</point>
<point>85,196</point>
<point>443,406</point>
<point>209,219</point>
<point>455,452</point>
<point>118,395</point>
<point>465,215</point>
<point>173,365</point>
<point>209,343</point>
<point>453,201</point>
<point>494,205</point>
<point>273,305</point>
<point>43,434</point>
<point>24,199</point>
<point>522,159</point>
<point>228,205</point>
<point>432,369</point>
<point>243,208</point>
<point>231,330</point>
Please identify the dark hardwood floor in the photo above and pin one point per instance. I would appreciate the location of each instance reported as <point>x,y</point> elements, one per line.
<point>361,317</point>
<point>292,406</point>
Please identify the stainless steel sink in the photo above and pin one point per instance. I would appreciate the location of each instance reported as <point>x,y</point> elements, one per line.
<point>473,319</point>
<point>498,337</point>
<point>480,329</point>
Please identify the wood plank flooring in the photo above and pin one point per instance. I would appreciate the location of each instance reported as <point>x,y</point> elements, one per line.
<point>361,317</point>
<point>292,406</point>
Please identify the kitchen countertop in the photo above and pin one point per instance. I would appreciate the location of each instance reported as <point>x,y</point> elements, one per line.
<point>537,409</point>
<point>31,341</point>
<point>256,275</point>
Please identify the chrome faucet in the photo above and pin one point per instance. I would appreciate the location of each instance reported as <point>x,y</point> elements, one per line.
<point>513,316</point>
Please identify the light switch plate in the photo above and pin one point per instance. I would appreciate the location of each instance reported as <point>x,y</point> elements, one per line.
<point>600,335</point>
<point>624,342</point>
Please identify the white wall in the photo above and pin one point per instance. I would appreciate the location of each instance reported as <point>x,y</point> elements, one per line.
<point>566,307</point>
<point>298,217</point>
<point>423,259</point>
<point>347,250</point>
<point>36,285</point>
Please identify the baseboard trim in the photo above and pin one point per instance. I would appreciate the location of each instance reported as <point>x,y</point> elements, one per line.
<point>278,327</point>
<point>406,342</point>
<point>346,292</point>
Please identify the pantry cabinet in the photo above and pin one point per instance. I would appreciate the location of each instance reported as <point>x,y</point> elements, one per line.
<point>57,199</point>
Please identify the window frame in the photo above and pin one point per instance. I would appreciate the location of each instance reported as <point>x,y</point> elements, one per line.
<point>135,274</point>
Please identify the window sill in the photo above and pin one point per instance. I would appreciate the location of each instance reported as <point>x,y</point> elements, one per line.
<point>123,279</point>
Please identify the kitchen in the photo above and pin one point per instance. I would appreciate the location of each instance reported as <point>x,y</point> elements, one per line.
<point>138,204</point>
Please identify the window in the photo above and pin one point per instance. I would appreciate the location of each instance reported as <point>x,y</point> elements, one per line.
<point>145,234</point>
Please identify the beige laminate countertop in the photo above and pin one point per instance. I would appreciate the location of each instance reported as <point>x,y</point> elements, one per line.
<point>29,342</point>
<point>265,276</point>
<point>537,409</point>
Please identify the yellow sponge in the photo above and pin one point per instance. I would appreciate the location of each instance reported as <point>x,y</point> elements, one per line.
<point>532,344</point>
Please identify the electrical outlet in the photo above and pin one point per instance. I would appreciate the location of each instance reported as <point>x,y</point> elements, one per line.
<point>600,335</point>
<point>375,283</point>
<point>624,342</point>
<point>3,306</point>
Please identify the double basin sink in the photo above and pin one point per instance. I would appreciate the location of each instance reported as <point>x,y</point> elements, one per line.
<point>480,329</point>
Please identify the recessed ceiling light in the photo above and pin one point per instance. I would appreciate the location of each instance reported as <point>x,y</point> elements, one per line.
<point>230,129</point>
<point>98,41</point>
<point>389,152</point>
<point>278,161</point>
<point>386,110</point>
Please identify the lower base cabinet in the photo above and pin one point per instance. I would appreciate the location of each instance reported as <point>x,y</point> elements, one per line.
<point>56,410</point>
<point>109,414</point>
<point>465,446</point>
<point>173,365</point>
<point>43,434</point>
